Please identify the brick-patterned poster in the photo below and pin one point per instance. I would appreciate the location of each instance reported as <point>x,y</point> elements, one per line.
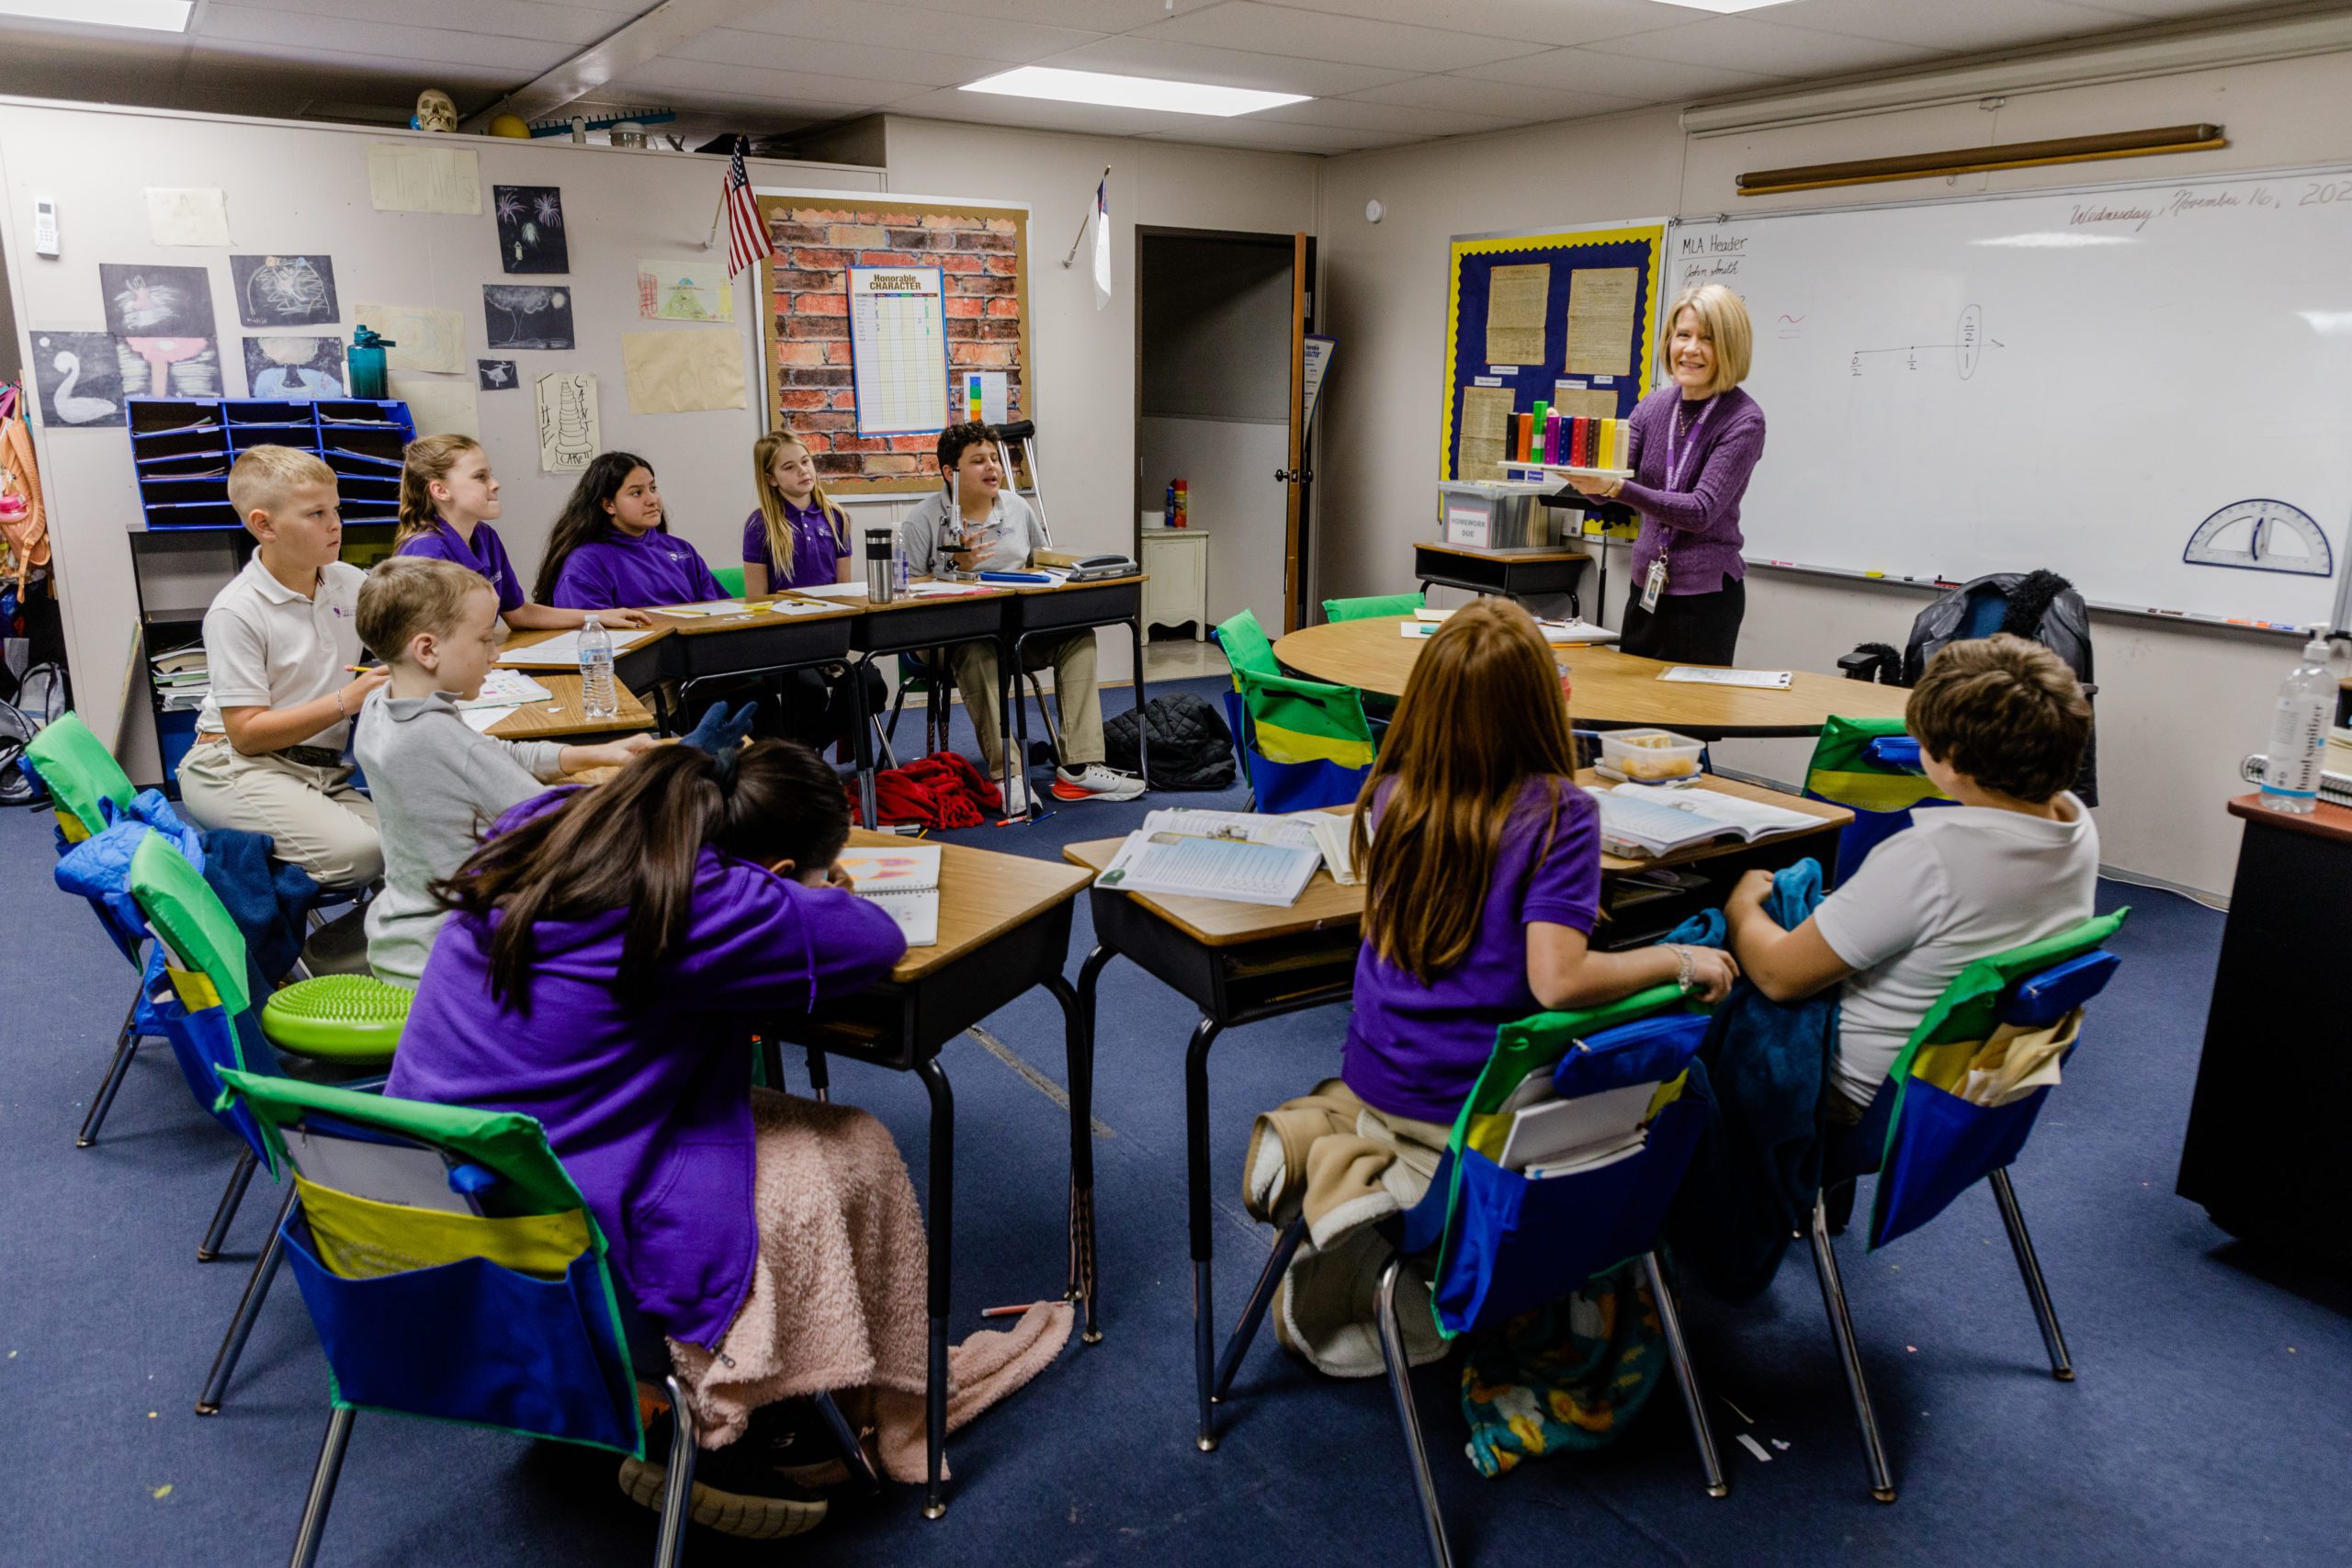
<point>983,253</point>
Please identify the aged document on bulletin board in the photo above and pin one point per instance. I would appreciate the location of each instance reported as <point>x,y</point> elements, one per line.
<point>1515,297</point>
<point>1486,425</point>
<point>1600,320</point>
<point>1574,399</point>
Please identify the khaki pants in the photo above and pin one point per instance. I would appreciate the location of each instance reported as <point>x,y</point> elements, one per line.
<point>312,816</point>
<point>1072,658</point>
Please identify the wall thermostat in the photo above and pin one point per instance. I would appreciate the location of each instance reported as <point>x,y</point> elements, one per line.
<point>45,225</point>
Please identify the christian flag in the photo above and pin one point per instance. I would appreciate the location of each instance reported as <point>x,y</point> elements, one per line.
<point>747,237</point>
<point>1102,242</point>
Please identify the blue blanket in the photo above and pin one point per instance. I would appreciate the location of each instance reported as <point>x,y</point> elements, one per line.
<point>1752,1183</point>
<point>267,899</point>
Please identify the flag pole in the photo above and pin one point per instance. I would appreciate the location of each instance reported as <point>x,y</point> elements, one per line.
<point>1082,223</point>
<point>719,212</point>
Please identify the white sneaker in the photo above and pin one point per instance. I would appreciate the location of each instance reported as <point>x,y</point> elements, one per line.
<point>1016,795</point>
<point>1095,782</point>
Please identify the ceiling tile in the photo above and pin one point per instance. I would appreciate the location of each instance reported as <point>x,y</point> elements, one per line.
<point>1354,113</point>
<point>1520,104</point>
<point>1317,35</point>
<point>2175,10</point>
<point>549,21</point>
<point>708,81</point>
<point>1738,43</point>
<point>894,26</point>
<point>1619,76</point>
<point>1226,67</point>
<point>343,39</point>
<point>1272,137</point>
<point>985,109</point>
<point>1550,22</point>
<point>1974,25</point>
<point>772,51</point>
<point>1091,15</point>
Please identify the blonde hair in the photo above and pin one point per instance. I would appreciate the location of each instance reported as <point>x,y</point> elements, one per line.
<point>1723,318</point>
<point>1482,713</point>
<point>780,546</point>
<point>405,596</point>
<point>258,480</point>
<point>422,462</point>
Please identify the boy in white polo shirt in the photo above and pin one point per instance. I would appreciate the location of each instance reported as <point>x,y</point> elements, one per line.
<point>280,641</point>
<point>2001,723</point>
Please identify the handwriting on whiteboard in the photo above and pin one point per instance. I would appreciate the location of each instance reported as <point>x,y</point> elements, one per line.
<point>1968,345</point>
<point>1701,257</point>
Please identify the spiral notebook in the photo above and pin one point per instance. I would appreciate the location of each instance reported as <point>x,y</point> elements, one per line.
<point>905,882</point>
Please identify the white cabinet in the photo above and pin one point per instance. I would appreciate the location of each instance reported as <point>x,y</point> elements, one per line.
<point>1178,561</point>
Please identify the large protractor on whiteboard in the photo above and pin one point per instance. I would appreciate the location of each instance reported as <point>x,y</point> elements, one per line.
<point>2262,536</point>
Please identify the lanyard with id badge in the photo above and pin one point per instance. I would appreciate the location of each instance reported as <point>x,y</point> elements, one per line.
<point>1653,585</point>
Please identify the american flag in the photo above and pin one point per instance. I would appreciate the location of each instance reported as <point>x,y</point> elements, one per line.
<point>747,237</point>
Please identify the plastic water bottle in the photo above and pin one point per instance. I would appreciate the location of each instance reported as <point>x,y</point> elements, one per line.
<point>597,697</point>
<point>2299,733</point>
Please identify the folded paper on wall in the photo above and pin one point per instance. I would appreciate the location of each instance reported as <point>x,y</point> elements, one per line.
<point>410,177</point>
<point>195,215</point>
<point>682,372</point>
<point>424,337</point>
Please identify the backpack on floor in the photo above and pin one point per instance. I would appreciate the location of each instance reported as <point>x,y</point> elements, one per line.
<point>1190,747</point>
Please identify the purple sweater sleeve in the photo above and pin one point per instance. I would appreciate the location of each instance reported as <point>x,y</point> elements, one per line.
<point>1710,508</point>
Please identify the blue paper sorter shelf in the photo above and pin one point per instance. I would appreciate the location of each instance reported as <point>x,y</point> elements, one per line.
<point>181,449</point>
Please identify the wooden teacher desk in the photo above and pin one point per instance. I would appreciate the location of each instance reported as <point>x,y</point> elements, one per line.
<point>1004,924</point>
<point>1611,690</point>
<point>1244,963</point>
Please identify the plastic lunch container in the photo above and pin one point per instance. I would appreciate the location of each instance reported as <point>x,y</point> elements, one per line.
<point>1649,756</point>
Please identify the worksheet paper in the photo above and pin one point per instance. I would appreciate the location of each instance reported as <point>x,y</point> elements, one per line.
<point>1708,675</point>
<point>1600,320</point>
<point>561,651</point>
<point>507,689</point>
<point>1485,436</point>
<point>1515,300</point>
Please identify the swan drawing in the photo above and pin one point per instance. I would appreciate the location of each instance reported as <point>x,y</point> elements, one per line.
<point>75,409</point>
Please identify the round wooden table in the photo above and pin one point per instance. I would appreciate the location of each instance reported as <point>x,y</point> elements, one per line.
<point>1610,690</point>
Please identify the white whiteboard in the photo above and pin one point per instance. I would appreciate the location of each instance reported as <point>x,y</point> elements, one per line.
<point>2074,379</point>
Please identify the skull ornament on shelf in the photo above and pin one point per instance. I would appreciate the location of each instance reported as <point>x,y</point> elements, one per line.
<point>436,110</point>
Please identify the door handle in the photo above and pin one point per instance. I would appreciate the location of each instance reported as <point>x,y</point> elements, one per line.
<point>1293,476</point>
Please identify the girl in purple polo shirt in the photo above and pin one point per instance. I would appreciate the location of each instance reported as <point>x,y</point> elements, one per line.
<point>797,538</point>
<point>608,954</point>
<point>1481,858</point>
<point>613,546</point>
<point>447,498</point>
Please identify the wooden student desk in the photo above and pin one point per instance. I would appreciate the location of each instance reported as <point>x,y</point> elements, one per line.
<point>682,651</point>
<point>1066,607</point>
<point>563,719</point>
<point>1611,690</point>
<point>1004,924</point>
<point>1243,963</point>
<point>1512,573</point>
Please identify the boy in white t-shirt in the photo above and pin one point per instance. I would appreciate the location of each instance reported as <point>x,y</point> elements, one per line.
<point>279,642</point>
<point>2001,723</point>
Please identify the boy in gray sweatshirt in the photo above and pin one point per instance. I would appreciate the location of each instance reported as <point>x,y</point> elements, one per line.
<point>437,783</point>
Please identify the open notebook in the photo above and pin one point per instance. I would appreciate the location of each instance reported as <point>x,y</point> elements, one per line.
<point>905,881</point>
<point>1644,819</point>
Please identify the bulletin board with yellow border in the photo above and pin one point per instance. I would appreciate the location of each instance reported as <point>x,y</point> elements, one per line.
<point>1569,319</point>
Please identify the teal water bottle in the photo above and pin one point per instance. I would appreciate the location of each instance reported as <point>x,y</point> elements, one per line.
<point>367,359</point>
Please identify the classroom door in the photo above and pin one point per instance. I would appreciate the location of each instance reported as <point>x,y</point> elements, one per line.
<point>1296,476</point>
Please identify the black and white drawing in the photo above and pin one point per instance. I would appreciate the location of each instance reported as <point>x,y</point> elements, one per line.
<point>520,315</point>
<point>285,292</point>
<point>80,385</point>
<point>300,369</point>
<point>497,374</point>
<point>530,228</point>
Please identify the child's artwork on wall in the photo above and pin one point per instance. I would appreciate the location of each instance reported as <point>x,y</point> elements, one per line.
<point>522,316</point>
<point>81,384</point>
<point>569,430</point>
<point>684,291</point>
<point>530,228</point>
<point>301,369</point>
<point>497,374</point>
<point>424,337</point>
<point>285,292</point>
<point>162,319</point>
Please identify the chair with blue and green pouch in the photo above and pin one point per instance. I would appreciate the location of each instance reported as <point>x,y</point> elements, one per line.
<point>1872,767</point>
<point>1502,1242</point>
<point>337,1027</point>
<point>1928,1142</point>
<point>1304,744</point>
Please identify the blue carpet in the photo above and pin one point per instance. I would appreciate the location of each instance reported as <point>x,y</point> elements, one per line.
<point>2210,1423</point>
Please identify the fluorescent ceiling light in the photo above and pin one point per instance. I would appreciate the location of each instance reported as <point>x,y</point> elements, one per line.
<point>162,16</point>
<point>1128,92</point>
<point>1723,5</point>
<point>2329,324</point>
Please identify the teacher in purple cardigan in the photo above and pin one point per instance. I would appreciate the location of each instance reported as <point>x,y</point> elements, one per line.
<point>1696,439</point>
